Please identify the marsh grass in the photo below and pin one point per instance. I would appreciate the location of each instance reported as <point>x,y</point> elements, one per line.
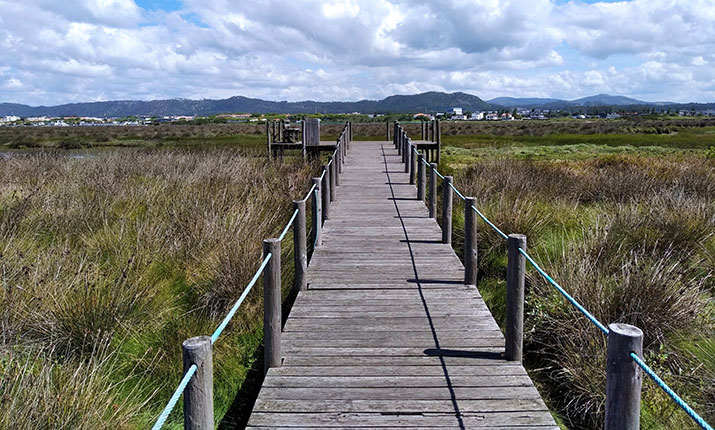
<point>632,238</point>
<point>109,262</point>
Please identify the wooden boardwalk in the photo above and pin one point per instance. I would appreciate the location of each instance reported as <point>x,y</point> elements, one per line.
<point>387,336</point>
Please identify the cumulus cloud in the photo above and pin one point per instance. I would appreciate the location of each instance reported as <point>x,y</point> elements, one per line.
<point>353,49</point>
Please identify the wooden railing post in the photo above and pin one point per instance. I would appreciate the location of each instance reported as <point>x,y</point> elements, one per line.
<point>433,191</point>
<point>300,246</point>
<point>333,177</point>
<point>623,378</point>
<point>198,395</point>
<point>268,139</point>
<point>338,165</point>
<point>387,131</point>
<point>317,213</point>
<point>408,158</point>
<point>447,210</point>
<point>326,193</point>
<point>439,140</point>
<point>272,305</point>
<point>395,138</point>
<point>516,268</point>
<point>421,178</point>
<point>470,242</point>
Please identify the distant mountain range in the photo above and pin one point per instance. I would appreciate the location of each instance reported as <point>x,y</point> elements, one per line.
<point>597,100</point>
<point>428,102</point>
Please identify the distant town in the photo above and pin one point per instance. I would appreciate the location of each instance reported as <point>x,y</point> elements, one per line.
<point>456,114</point>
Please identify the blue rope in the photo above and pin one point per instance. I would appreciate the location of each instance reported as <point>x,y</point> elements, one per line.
<point>323,175</point>
<point>307,196</point>
<point>564,293</point>
<point>288,226</point>
<point>501,233</point>
<point>235,307</point>
<point>676,398</point>
<point>457,191</point>
<point>175,397</point>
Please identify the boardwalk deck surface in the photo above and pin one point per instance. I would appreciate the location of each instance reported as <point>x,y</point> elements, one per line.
<point>387,336</point>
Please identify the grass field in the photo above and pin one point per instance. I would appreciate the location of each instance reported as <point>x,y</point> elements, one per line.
<point>110,261</point>
<point>626,223</point>
<point>117,243</point>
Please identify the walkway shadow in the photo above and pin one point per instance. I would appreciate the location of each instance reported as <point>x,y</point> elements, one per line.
<point>419,282</point>
<point>240,410</point>
<point>434,352</point>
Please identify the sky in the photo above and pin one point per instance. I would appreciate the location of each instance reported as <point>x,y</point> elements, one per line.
<point>95,50</point>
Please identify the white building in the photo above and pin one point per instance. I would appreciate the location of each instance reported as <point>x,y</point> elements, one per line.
<point>456,111</point>
<point>477,116</point>
<point>10,118</point>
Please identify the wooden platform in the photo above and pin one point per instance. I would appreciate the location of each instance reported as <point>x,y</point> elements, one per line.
<point>387,336</point>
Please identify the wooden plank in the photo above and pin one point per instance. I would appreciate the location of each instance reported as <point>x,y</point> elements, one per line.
<point>399,393</point>
<point>372,420</point>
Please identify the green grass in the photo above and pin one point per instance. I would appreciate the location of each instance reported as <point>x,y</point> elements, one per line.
<point>111,261</point>
<point>626,223</point>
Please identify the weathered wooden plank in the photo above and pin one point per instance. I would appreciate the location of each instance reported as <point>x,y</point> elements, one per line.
<point>372,420</point>
<point>502,369</point>
<point>399,393</point>
<point>398,406</point>
<point>444,381</point>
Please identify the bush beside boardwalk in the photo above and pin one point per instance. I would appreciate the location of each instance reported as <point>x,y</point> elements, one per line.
<point>110,261</point>
<point>631,235</point>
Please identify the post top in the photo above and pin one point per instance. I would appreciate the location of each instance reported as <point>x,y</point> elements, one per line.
<point>625,330</point>
<point>517,236</point>
<point>196,342</point>
<point>271,240</point>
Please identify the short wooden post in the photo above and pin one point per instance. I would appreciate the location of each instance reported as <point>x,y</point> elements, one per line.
<point>623,378</point>
<point>433,191</point>
<point>198,395</point>
<point>516,268</point>
<point>302,139</point>
<point>421,178</point>
<point>408,158</point>
<point>300,247</point>
<point>333,174</point>
<point>326,193</point>
<point>272,305</point>
<point>338,165</point>
<point>317,213</point>
<point>447,210</point>
<point>439,140</point>
<point>470,242</point>
<point>387,131</point>
<point>395,129</point>
<point>268,139</point>
<point>431,131</point>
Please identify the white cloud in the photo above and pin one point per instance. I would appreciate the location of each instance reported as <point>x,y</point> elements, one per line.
<point>352,49</point>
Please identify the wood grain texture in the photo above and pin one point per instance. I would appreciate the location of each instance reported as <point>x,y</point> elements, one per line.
<point>387,335</point>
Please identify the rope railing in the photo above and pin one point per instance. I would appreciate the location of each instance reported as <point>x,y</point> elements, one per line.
<point>240,300</point>
<point>288,225</point>
<point>272,293</point>
<point>633,355</point>
<point>175,397</point>
<point>669,391</point>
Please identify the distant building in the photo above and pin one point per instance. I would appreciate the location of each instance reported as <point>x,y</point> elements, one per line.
<point>492,116</point>
<point>10,118</point>
<point>457,111</point>
<point>477,116</point>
